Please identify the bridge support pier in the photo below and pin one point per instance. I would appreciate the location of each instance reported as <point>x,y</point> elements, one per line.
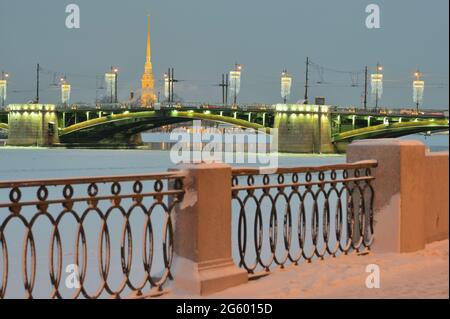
<point>32,125</point>
<point>304,133</point>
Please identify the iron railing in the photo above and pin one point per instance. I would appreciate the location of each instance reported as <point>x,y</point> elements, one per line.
<point>53,231</point>
<point>296,214</point>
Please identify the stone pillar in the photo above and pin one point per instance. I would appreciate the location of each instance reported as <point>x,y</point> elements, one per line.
<point>202,241</point>
<point>400,205</point>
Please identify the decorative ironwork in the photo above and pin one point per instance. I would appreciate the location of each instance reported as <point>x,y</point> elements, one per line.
<point>99,206</point>
<point>302,213</point>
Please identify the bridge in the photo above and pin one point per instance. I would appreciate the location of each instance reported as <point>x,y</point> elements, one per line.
<point>301,128</point>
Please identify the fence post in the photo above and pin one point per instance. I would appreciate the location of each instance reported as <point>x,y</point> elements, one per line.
<point>400,204</point>
<point>202,241</point>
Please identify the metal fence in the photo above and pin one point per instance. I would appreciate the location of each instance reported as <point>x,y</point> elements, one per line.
<point>299,214</point>
<point>99,237</point>
<point>89,237</point>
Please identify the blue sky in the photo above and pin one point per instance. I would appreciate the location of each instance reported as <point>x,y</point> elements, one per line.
<point>202,39</point>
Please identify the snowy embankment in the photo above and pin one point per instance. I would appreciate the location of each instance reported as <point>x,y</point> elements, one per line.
<point>423,274</point>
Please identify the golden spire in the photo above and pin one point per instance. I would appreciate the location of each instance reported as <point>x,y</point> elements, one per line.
<point>148,56</point>
<point>148,83</point>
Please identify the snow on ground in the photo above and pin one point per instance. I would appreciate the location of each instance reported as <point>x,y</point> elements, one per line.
<point>422,274</point>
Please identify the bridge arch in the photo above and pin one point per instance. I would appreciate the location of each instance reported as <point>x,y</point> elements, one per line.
<point>392,130</point>
<point>125,127</point>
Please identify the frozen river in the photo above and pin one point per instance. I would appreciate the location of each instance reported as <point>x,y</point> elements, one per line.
<point>40,163</point>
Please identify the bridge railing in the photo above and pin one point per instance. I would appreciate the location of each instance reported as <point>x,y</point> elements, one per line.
<point>89,237</point>
<point>100,237</point>
<point>300,214</point>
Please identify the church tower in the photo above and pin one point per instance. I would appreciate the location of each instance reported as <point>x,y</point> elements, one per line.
<point>148,82</point>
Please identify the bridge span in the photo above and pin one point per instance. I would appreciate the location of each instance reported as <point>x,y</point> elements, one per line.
<point>300,128</point>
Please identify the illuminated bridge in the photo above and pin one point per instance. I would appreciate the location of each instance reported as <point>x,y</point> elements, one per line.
<point>301,128</point>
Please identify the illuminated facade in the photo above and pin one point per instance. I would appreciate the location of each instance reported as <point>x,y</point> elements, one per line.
<point>32,125</point>
<point>148,97</point>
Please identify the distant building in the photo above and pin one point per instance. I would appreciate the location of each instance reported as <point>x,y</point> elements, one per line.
<point>148,97</point>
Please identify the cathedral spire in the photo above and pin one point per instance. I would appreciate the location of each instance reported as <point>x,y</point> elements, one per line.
<point>148,55</point>
<point>148,97</point>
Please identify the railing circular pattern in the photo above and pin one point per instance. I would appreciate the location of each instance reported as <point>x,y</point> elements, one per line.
<point>341,198</point>
<point>165,194</point>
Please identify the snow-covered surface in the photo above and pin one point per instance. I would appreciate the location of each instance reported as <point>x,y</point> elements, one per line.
<point>422,274</point>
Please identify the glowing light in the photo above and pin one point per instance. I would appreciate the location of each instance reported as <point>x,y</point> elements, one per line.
<point>3,86</point>
<point>286,84</point>
<point>377,85</point>
<point>418,89</point>
<point>65,93</point>
<point>166,86</point>
<point>110,81</point>
<point>235,80</point>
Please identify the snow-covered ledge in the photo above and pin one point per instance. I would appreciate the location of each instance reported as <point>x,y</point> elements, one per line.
<point>411,206</point>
